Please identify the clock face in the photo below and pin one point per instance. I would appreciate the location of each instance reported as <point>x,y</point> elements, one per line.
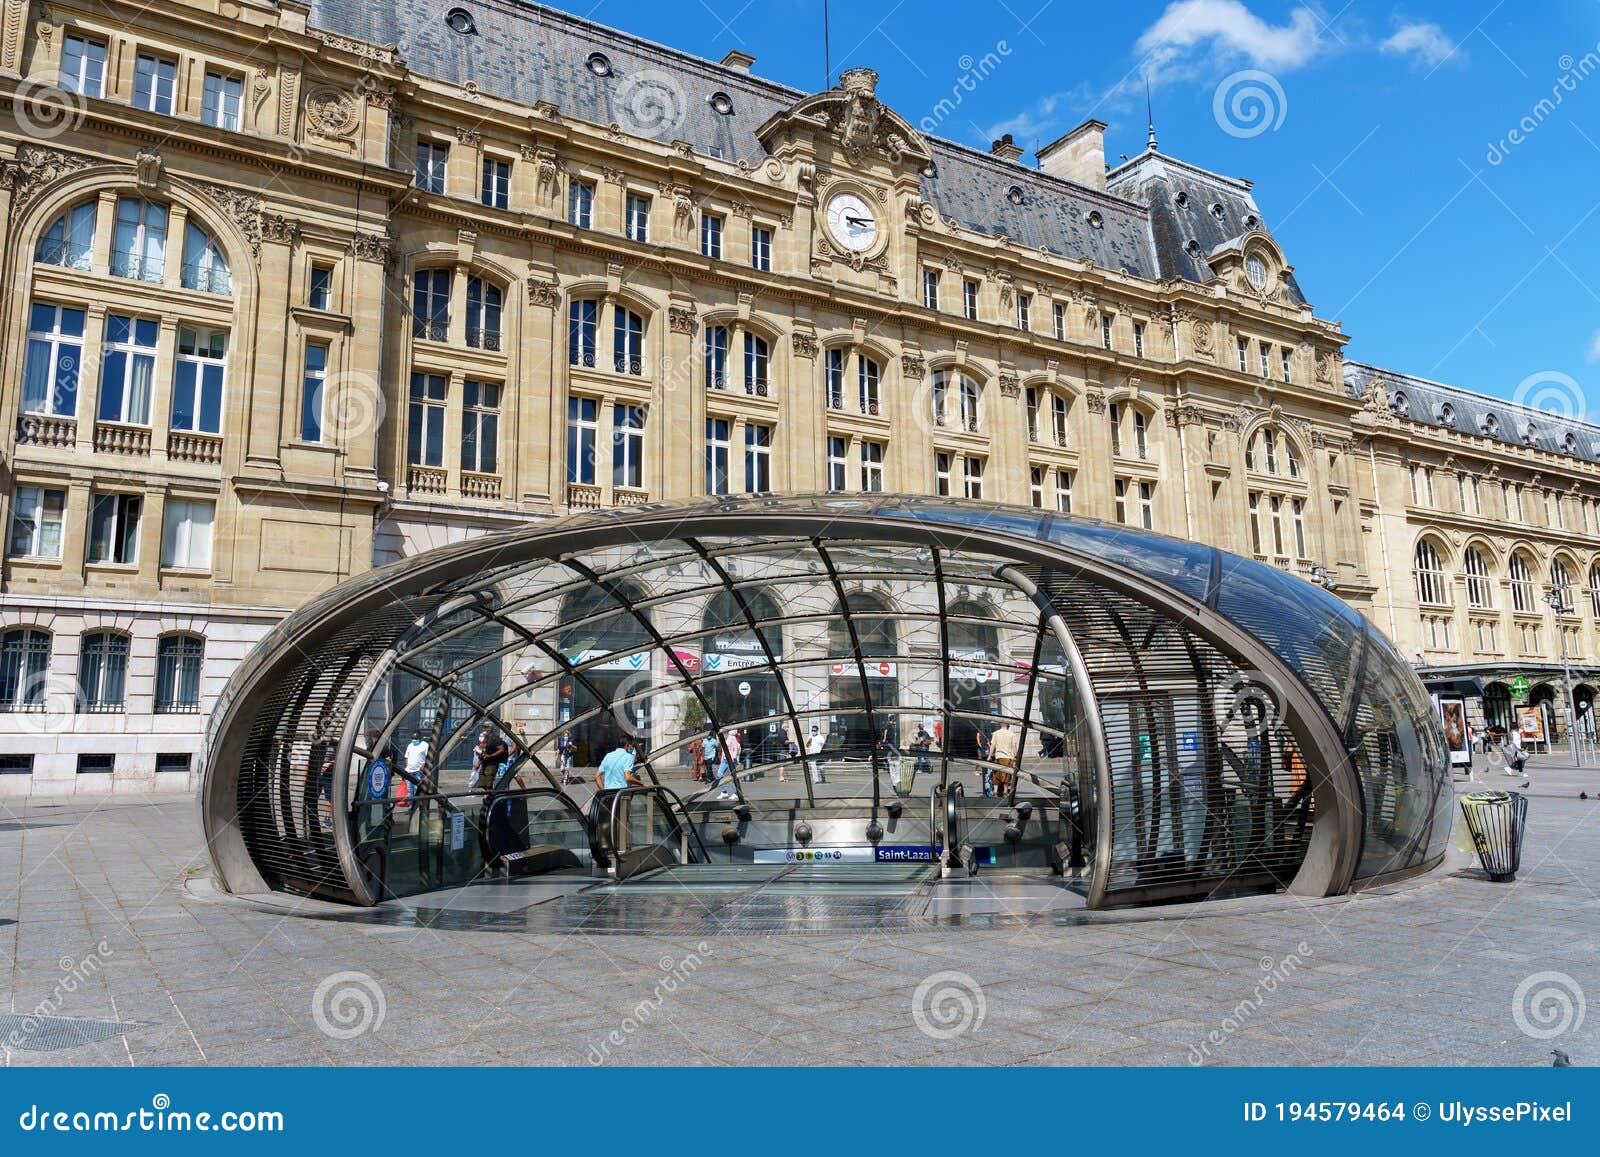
<point>851,222</point>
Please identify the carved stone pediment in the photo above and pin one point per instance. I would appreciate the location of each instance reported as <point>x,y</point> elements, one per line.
<point>861,125</point>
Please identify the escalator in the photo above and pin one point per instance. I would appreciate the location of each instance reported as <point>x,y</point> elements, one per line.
<point>635,830</point>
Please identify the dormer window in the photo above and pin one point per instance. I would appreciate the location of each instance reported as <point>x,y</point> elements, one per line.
<point>1400,404</point>
<point>1252,221</point>
<point>1447,414</point>
<point>721,103</point>
<point>1256,270</point>
<point>1571,443</point>
<point>1216,210</point>
<point>1530,433</point>
<point>1095,220</point>
<point>1193,248</point>
<point>1490,425</point>
<point>1182,200</point>
<point>599,64</point>
<point>461,22</point>
<point>1014,195</point>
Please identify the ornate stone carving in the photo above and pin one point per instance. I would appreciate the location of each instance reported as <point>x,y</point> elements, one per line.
<point>805,344</point>
<point>147,167</point>
<point>858,119</point>
<point>743,208</point>
<point>373,247</point>
<point>288,95</point>
<point>1188,414</point>
<point>682,319</point>
<point>37,168</point>
<point>611,175</point>
<point>1327,368</point>
<point>912,365</point>
<point>682,198</point>
<point>546,111</point>
<point>243,209</point>
<point>1010,387</point>
<point>277,227</point>
<point>543,291</point>
<point>547,170</point>
<point>331,113</point>
<point>1096,401</point>
<point>383,53</point>
<point>469,136</point>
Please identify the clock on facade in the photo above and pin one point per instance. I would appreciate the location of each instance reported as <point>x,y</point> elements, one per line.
<point>852,223</point>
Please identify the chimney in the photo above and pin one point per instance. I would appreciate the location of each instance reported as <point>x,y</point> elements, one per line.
<point>1006,149</point>
<point>738,61</point>
<point>1079,155</point>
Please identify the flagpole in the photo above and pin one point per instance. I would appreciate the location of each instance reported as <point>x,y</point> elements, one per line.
<point>827,52</point>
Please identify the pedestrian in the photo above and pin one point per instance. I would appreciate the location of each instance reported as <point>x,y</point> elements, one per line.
<point>981,741</point>
<point>708,756</point>
<point>728,769</point>
<point>1003,753</point>
<point>922,748</point>
<point>1516,753</point>
<point>475,780</point>
<point>616,769</point>
<point>814,743</point>
<point>791,748</point>
<point>566,753</point>
<point>416,765</point>
<point>496,754</point>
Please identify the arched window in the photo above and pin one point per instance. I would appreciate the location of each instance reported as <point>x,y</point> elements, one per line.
<point>24,663</point>
<point>1271,452</point>
<point>178,659</point>
<point>583,329</point>
<point>1522,593</point>
<point>962,410</point>
<point>484,305</point>
<point>1594,590</point>
<point>627,341</point>
<point>969,404</point>
<point>204,266</point>
<point>1431,586</point>
<point>69,241</point>
<point>102,671</point>
<point>1561,580</point>
<point>757,365</point>
<point>139,242</point>
<point>868,377</point>
<point>1480,590</point>
<point>874,627</point>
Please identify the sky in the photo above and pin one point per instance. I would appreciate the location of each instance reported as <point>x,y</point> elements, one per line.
<point>1430,168</point>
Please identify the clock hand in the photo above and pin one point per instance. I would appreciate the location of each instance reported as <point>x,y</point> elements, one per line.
<point>858,220</point>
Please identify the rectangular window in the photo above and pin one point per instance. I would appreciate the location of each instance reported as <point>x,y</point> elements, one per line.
<point>1105,330</point>
<point>1147,505</point>
<point>1114,412</point>
<point>833,378</point>
<point>494,190</point>
<point>1141,443</point>
<point>1287,362</point>
<point>761,248</point>
<point>1255,522</point>
<point>583,427</point>
<point>1064,491</point>
<point>1036,486</point>
<point>872,467</point>
<point>1138,339</point>
<point>321,295</point>
<point>1058,419</point>
<point>220,103</point>
<point>972,476</point>
<point>114,528</point>
<point>55,353</point>
<point>1265,352</point>
<point>186,533</point>
<point>1122,500</point>
<point>717,357</point>
<point>627,341</point>
<point>484,301</point>
<point>583,331</point>
<point>1032,412</point>
<point>127,369</point>
<point>711,236</point>
<point>969,299</point>
<point>96,764</point>
<point>930,289</point>
<point>83,66</point>
<point>580,204</point>
<point>433,160</point>
<point>312,380</point>
<point>154,81</point>
<point>139,241</point>
<point>838,452</point>
<point>425,420</point>
<point>627,446</point>
<point>38,515</point>
<point>757,366</point>
<point>430,304</point>
<point>941,474</point>
<point>16,765</point>
<point>480,426</point>
<point>1058,320</point>
<point>1024,311</point>
<point>1244,356</point>
<point>1297,510</point>
<point>758,458</point>
<point>636,218</point>
<point>717,455</point>
<point>172,762</point>
<point>867,384</point>
<point>197,379</point>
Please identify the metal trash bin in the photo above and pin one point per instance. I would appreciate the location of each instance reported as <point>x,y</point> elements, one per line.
<point>1496,821</point>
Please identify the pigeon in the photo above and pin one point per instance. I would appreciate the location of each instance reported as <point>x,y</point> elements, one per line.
<point>1583,795</point>
<point>1562,1061</point>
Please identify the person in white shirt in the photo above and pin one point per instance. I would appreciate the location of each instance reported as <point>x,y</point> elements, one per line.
<point>416,756</point>
<point>814,750</point>
<point>729,768</point>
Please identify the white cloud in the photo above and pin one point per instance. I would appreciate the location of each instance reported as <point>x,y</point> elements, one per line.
<point>1427,42</point>
<point>1036,123</point>
<point>1594,349</point>
<point>1191,32</point>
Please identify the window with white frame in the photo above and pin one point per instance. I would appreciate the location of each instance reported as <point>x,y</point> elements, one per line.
<point>1036,486</point>
<point>1265,352</point>
<point>320,295</point>
<point>583,432</point>
<point>485,305</point>
<point>627,341</point>
<point>1433,589</point>
<point>114,529</point>
<point>155,79</point>
<point>833,378</point>
<point>838,463</point>
<point>221,100</point>
<point>972,476</point>
<point>494,187</point>
<point>24,668</point>
<point>127,369</point>
<point>102,671</point>
<point>139,240</point>
<point>636,217</point>
<point>717,452</point>
<point>1114,416</point>
<point>480,426</point>
<point>1141,439</point>
<point>627,446</point>
<point>425,419</point>
<point>38,516</point>
<point>761,248</point>
<point>83,66</point>
<point>757,458</point>
<point>204,267</point>
<point>197,379</point>
<point>1032,412</point>
<point>1138,339</point>
<point>186,533</point>
<point>1523,596</point>
<point>430,304</point>
<point>1058,419</point>
<point>1421,485</point>
<point>1480,587</point>
<point>872,467</point>
<point>969,299</point>
<point>716,341</point>
<point>313,383</point>
<point>1064,491</point>
<point>1105,330</point>
<point>757,365</point>
<point>868,377</point>
<point>179,657</point>
<point>1594,591</point>
<point>1287,363</point>
<point>53,361</point>
<point>1058,313</point>
<point>711,236</point>
<point>941,474</point>
<point>68,241</point>
<point>433,163</point>
<point>930,289</point>
<point>583,329</point>
<point>580,204</point>
<point>1244,356</point>
<point>1024,311</point>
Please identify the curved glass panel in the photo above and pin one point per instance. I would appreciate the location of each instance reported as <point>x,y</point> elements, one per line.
<point>1184,566</point>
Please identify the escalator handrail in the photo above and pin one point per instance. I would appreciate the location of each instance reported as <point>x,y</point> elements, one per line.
<point>952,818</point>
<point>677,810</point>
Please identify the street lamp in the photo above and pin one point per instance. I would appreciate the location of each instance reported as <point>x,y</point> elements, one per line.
<point>1323,577</point>
<point>1556,597</point>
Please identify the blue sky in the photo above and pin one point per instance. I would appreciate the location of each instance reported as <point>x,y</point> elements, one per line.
<point>1385,162</point>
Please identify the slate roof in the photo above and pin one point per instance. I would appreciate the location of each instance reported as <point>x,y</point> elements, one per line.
<point>1452,407</point>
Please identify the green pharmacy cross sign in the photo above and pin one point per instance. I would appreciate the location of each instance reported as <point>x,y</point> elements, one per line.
<point>1519,687</point>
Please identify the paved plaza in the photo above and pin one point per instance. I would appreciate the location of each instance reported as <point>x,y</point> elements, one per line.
<point>117,952</point>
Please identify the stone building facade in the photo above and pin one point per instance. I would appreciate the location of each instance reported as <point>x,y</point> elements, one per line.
<point>299,289</point>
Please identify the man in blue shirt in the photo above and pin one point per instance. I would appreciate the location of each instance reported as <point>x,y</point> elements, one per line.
<point>616,769</point>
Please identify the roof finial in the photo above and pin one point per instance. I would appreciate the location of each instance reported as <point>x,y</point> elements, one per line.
<point>1150,117</point>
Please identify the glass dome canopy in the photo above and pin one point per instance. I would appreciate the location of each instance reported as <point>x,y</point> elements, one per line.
<point>1217,718</point>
